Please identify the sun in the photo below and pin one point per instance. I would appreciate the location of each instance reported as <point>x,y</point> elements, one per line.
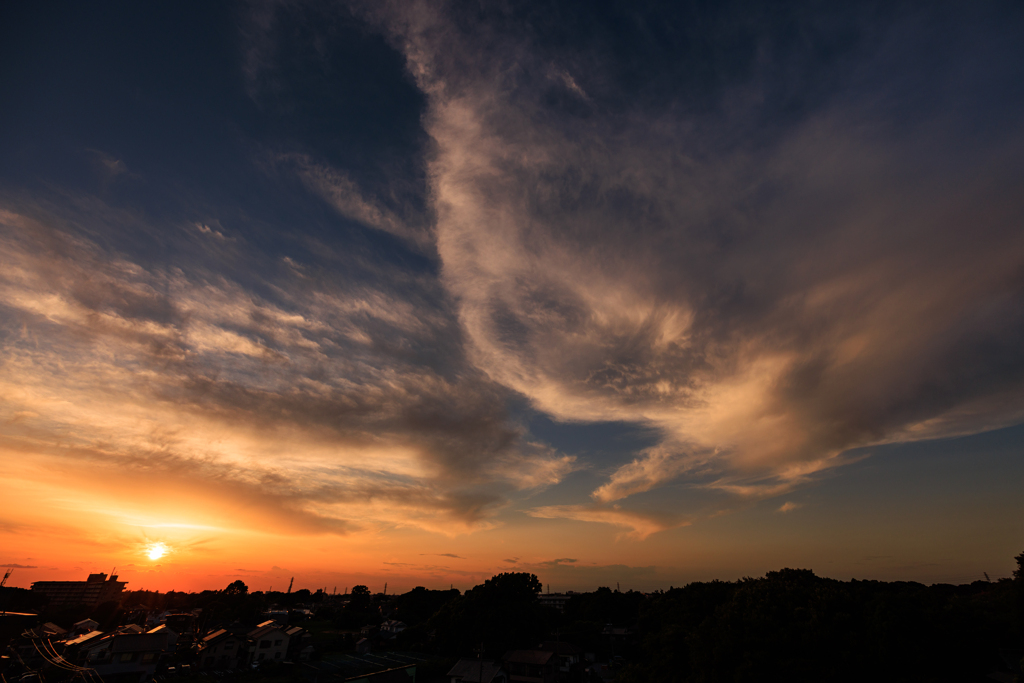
<point>156,551</point>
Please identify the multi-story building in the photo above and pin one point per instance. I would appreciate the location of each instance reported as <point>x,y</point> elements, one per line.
<point>556,600</point>
<point>94,591</point>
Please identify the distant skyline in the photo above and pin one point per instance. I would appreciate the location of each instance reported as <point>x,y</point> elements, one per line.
<point>418,293</point>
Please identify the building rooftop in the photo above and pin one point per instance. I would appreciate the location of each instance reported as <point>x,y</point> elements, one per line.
<point>475,670</point>
<point>84,638</point>
<point>529,656</point>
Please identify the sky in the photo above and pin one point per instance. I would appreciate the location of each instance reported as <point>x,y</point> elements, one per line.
<point>414,293</point>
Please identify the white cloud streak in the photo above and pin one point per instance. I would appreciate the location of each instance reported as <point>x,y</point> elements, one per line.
<point>765,306</point>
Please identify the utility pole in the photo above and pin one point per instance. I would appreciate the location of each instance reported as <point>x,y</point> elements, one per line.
<point>480,656</point>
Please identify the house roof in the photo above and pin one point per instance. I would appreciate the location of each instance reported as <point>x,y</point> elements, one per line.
<point>528,656</point>
<point>52,628</point>
<point>266,628</point>
<point>215,637</point>
<point>560,648</point>
<point>85,637</point>
<point>139,642</point>
<point>475,670</point>
<point>99,642</point>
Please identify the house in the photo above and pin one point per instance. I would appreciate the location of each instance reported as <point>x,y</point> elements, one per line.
<point>269,642</point>
<point>48,630</point>
<point>363,646</point>
<point>477,671</point>
<point>278,615</point>
<point>84,626</point>
<point>222,649</point>
<point>391,628</point>
<point>172,637</point>
<point>128,656</point>
<point>531,666</point>
<point>179,623</point>
<point>616,633</point>
<point>299,648</point>
<point>28,646</point>
<point>74,646</point>
<point>569,656</point>
<point>400,674</point>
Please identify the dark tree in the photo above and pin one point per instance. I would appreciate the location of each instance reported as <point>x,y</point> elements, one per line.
<point>419,604</point>
<point>501,614</point>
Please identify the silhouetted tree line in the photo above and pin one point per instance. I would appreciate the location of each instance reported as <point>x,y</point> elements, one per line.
<point>788,625</point>
<point>792,625</point>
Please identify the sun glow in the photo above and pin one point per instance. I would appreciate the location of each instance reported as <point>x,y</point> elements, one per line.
<point>156,551</point>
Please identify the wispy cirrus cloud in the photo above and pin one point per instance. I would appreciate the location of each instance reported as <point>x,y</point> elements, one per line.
<point>337,189</point>
<point>635,525</point>
<point>323,406</point>
<point>767,289</point>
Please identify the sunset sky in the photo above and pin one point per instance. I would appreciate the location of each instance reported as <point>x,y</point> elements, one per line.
<point>419,292</point>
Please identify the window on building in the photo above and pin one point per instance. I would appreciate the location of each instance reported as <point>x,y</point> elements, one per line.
<point>277,642</point>
<point>148,657</point>
<point>126,657</point>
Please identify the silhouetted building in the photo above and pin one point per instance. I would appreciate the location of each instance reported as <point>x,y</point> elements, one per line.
<point>94,591</point>
<point>84,626</point>
<point>569,656</point>
<point>270,642</point>
<point>556,600</point>
<point>128,656</point>
<point>222,649</point>
<point>532,666</point>
<point>477,671</point>
<point>299,647</point>
<point>391,628</point>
